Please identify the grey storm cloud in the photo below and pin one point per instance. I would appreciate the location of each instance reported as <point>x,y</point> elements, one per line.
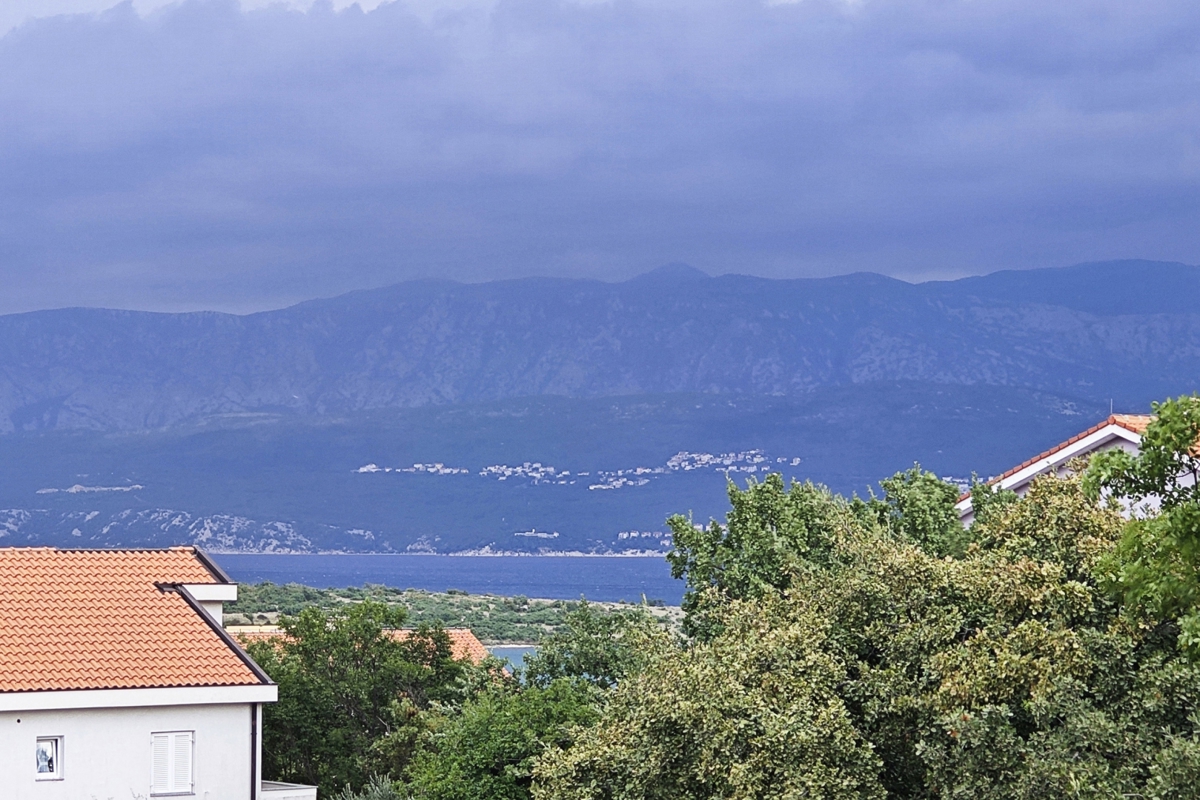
<point>203,155</point>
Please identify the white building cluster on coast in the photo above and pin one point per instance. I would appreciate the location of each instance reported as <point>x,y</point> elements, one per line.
<point>537,473</point>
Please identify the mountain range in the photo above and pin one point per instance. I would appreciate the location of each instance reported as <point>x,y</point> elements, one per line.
<point>1120,330</point>
<point>557,415</point>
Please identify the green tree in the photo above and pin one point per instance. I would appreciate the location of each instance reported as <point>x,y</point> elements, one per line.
<point>917,506</point>
<point>1167,465</point>
<point>487,750</point>
<point>772,533</point>
<point>378,788</point>
<point>601,649</point>
<point>882,669</point>
<point>988,501</point>
<point>1034,697</point>
<point>754,713</point>
<point>351,694</point>
<point>1156,569</point>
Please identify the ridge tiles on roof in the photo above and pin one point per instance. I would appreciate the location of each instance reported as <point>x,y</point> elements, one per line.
<point>1134,423</point>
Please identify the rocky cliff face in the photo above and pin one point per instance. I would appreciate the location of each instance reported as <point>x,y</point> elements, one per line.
<point>1125,330</point>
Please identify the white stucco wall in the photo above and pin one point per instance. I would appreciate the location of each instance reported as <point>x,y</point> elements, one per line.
<point>106,752</point>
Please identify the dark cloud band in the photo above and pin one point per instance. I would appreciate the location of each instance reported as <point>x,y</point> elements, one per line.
<point>206,156</point>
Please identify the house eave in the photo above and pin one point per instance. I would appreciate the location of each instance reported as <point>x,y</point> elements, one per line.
<point>137,698</point>
<point>1055,460</point>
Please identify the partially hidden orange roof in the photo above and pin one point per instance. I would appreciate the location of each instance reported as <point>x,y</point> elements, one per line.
<point>1135,423</point>
<point>464,645</point>
<point>110,619</point>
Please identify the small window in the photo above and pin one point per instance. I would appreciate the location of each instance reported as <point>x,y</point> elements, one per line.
<point>49,758</point>
<point>171,762</point>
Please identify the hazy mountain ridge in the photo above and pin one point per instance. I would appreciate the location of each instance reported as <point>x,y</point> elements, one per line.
<point>1125,330</point>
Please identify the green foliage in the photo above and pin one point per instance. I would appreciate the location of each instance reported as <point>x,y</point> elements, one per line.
<point>487,751</point>
<point>378,788</point>
<point>601,649</point>
<point>1057,523</point>
<point>1156,568</point>
<point>1176,770</point>
<point>919,507</point>
<point>882,669</point>
<point>773,532</point>
<point>754,713</point>
<point>493,618</point>
<point>988,502</point>
<point>1168,453</point>
<point>350,694</point>
<point>289,598</point>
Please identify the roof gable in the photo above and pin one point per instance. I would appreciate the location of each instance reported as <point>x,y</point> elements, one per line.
<point>111,619</point>
<point>1134,423</point>
<point>1124,426</point>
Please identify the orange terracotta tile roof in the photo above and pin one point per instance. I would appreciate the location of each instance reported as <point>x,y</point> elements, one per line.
<point>464,645</point>
<point>98,619</point>
<point>1133,422</point>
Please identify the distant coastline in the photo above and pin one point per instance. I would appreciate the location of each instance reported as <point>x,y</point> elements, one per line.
<point>605,578</point>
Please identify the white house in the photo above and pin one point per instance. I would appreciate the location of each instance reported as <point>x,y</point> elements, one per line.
<point>1119,430</point>
<point>118,681</point>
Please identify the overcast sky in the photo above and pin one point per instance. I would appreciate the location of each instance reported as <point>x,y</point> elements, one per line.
<point>211,154</point>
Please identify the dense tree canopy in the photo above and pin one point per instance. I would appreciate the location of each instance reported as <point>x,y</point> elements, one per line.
<point>600,649</point>
<point>753,713</point>
<point>1157,564</point>
<point>833,648</point>
<point>888,669</point>
<point>772,534</point>
<point>487,750</point>
<point>351,694</point>
<point>919,508</point>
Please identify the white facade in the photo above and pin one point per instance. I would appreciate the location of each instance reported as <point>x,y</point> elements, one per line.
<point>106,752</point>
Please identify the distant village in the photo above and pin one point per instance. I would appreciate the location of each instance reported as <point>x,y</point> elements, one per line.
<point>537,473</point>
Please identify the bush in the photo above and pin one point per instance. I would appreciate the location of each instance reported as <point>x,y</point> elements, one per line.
<point>377,788</point>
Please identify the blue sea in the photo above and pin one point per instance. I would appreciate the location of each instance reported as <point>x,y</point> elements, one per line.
<point>515,655</point>
<point>604,578</point>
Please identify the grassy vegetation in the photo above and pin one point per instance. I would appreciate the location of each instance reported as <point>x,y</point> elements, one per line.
<point>495,619</point>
